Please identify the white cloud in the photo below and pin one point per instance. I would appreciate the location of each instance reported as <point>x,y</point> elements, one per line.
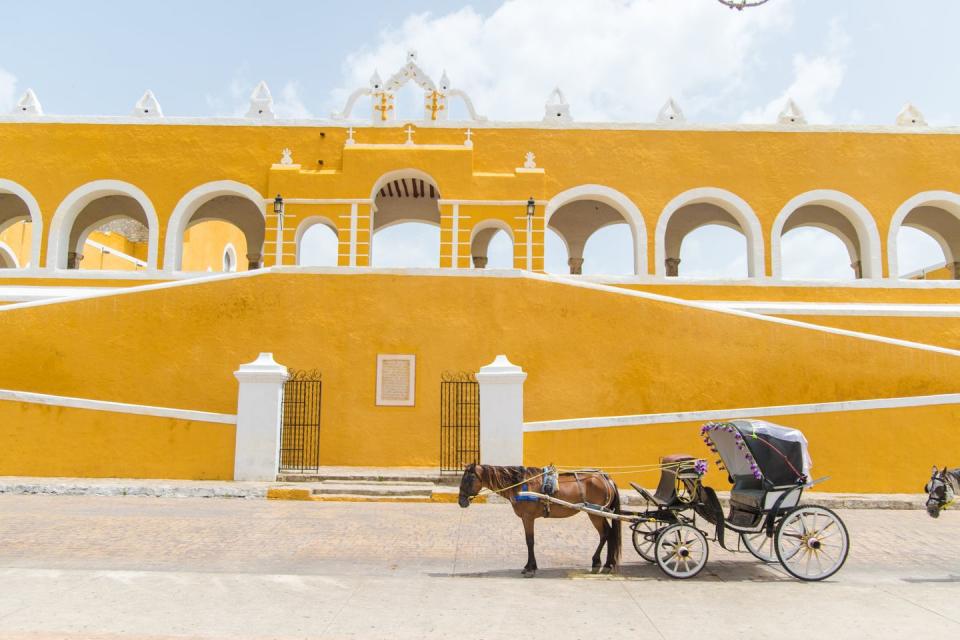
<point>290,104</point>
<point>8,89</point>
<point>615,60</point>
<point>815,83</point>
<point>235,101</point>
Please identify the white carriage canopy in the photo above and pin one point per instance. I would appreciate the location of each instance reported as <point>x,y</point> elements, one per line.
<point>760,449</point>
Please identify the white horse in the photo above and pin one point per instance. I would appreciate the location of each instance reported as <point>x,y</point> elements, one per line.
<point>942,490</point>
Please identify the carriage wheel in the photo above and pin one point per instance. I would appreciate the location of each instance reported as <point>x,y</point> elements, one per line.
<point>760,545</point>
<point>645,538</point>
<point>812,542</point>
<point>681,551</point>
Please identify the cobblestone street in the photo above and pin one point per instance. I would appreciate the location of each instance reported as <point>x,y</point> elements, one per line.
<point>147,567</point>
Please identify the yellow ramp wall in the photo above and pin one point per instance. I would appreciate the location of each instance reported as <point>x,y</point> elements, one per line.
<point>45,440</point>
<point>588,351</point>
<point>943,332</point>
<point>870,451</point>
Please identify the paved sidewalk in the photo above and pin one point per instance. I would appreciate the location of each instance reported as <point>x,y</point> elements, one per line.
<point>118,567</point>
<point>295,490</point>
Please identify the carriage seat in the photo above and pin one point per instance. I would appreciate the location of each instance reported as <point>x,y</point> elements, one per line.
<point>747,494</point>
<point>666,493</point>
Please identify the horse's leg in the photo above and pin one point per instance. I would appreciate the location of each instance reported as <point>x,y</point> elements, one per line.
<point>601,526</point>
<point>531,569</point>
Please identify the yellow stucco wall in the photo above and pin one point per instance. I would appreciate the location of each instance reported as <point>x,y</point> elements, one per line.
<point>873,451</point>
<point>943,332</point>
<point>205,242</point>
<point>43,440</point>
<point>588,352</point>
<point>649,166</point>
<point>17,237</point>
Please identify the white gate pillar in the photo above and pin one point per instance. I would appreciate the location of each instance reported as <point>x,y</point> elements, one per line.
<point>501,412</point>
<point>259,407</point>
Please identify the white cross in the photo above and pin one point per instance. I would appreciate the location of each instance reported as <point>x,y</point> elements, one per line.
<point>350,139</point>
<point>469,142</point>
<point>409,131</point>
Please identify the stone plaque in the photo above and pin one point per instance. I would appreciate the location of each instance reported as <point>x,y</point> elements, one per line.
<point>396,375</point>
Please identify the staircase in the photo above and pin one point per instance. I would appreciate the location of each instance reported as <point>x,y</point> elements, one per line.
<point>359,484</point>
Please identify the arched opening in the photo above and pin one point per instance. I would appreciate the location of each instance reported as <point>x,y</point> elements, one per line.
<point>717,232</point>
<point>838,214</point>
<point>925,236</point>
<point>492,245</point>
<point>229,259</point>
<point>609,251</point>
<point>206,244</point>
<point>8,258</point>
<point>714,251</point>
<point>317,243</point>
<point>555,253</point>
<point>405,222</point>
<point>20,224</point>
<point>194,244</point>
<point>812,253</point>
<point>106,224</point>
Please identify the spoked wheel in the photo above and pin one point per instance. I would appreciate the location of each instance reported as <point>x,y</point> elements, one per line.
<point>811,543</point>
<point>760,545</point>
<point>681,551</point>
<point>645,538</point>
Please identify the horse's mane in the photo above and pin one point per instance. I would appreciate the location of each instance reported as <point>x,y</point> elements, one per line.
<point>499,478</point>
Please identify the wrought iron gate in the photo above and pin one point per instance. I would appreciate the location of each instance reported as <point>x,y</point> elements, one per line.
<point>300,428</point>
<point>459,421</point>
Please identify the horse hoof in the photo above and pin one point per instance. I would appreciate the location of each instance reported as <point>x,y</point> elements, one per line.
<point>530,573</point>
<point>607,569</point>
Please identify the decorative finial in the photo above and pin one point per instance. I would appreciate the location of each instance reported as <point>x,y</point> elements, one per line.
<point>444,81</point>
<point>556,109</point>
<point>412,55</point>
<point>350,139</point>
<point>287,157</point>
<point>29,104</point>
<point>791,114</point>
<point>376,83</point>
<point>409,131</point>
<point>529,160</point>
<point>670,113</point>
<point>148,106</point>
<point>910,116</point>
<point>261,103</point>
<point>468,142</point>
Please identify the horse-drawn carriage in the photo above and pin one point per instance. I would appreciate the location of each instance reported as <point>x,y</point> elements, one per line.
<point>768,466</point>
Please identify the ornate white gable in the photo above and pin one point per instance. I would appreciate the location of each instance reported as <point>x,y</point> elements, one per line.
<point>383,94</point>
<point>148,106</point>
<point>29,104</point>
<point>556,109</point>
<point>791,114</point>
<point>670,113</point>
<point>261,103</point>
<point>910,116</point>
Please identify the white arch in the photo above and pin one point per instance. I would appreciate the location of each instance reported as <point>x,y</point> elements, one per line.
<point>613,198</point>
<point>11,255</point>
<point>851,209</point>
<point>491,223</point>
<point>946,200</point>
<point>398,174</point>
<point>36,219</point>
<point>729,202</point>
<point>188,205</point>
<point>74,203</point>
<point>306,224</point>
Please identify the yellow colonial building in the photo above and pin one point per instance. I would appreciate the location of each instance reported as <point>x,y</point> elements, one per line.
<point>123,323</point>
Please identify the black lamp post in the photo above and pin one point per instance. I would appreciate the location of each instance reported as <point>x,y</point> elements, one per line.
<point>278,207</point>
<point>531,206</point>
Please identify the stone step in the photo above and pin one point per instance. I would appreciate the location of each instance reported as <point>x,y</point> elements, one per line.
<point>383,489</point>
<point>432,478</point>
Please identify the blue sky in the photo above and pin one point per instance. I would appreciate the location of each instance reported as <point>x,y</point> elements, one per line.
<point>854,61</point>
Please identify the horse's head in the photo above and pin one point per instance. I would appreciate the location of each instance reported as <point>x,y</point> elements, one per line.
<point>938,490</point>
<point>469,485</point>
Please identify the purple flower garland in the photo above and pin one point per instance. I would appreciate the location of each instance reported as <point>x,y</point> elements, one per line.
<point>737,439</point>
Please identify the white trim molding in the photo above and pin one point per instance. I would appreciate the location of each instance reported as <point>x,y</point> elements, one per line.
<point>847,206</point>
<point>115,407</point>
<point>729,202</point>
<point>66,215</point>
<point>36,219</point>
<point>736,414</point>
<point>867,309</point>
<point>8,251</point>
<point>946,200</point>
<point>618,201</point>
<point>188,205</point>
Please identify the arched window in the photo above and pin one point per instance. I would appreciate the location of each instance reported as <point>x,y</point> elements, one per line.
<point>229,259</point>
<point>491,245</point>
<point>405,226</point>
<point>924,237</point>
<point>714,251</point>
<point>317,243</point>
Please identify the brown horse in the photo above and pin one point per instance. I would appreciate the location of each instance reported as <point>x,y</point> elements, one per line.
<point>593,487</point>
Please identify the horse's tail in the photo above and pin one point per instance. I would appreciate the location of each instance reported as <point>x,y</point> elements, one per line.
<point>615,538</point>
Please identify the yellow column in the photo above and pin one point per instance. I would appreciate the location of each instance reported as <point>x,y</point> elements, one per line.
<point>363,235</point>
<point>449,249</point>
<point>538,239</point>
<point>270,239</point>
